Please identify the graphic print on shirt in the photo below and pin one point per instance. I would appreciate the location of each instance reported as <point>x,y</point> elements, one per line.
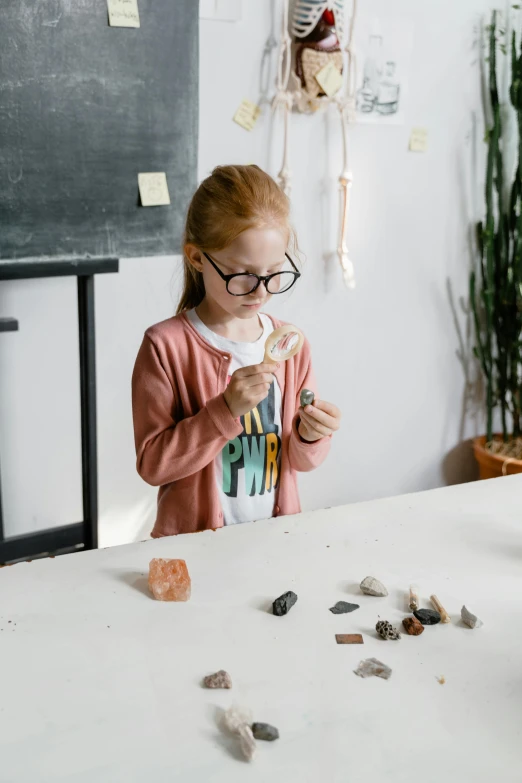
<point>256,451</point>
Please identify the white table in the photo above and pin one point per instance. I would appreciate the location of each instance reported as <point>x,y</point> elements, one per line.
<point>99,682</point>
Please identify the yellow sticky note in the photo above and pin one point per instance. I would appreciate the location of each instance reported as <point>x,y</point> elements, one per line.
<point>330,79</point>
<point>154,191</point>
<point>123,13</point>
<point>247,114</point>
<point>419,140</point>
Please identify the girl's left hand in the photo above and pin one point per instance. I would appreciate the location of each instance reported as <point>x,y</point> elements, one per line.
<point>318,420</point>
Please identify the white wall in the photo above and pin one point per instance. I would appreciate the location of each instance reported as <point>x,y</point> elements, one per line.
<point>385,353</point>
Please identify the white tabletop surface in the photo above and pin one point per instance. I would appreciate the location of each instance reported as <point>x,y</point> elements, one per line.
<point>99,682</point>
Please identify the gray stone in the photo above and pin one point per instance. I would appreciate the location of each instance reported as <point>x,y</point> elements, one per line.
<point>371,667</point>
<point>387,631</point>
<point>342,607</point>
<point>264,731</point>
<point>469,618</point>
<point>372,586</point>
<point>307,397</point>
<point>284,603</point>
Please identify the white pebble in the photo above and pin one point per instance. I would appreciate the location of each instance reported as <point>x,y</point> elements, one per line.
<point>371,586</point>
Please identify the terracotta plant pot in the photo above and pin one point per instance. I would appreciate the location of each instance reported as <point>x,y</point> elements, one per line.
<point>494,465</point>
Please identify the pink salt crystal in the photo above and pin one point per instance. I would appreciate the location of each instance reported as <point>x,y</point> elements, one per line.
<point>169,580</point>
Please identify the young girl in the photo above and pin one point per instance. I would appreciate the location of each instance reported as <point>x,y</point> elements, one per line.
<point>221,433</point>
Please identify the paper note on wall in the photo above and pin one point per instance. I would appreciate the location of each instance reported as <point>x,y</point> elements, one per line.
<point>154,191</point>
<point>419,140</point>
<point>330,79</point>
<point>247,115</point>
<point>123,13</point>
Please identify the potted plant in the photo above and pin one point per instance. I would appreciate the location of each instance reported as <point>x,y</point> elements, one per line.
<point>496,286</point>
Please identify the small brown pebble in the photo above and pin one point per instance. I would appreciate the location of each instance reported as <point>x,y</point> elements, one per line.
<point>349,638</point>
<point>412,626</point>
<point>220,679</point>
<point>441,680</point>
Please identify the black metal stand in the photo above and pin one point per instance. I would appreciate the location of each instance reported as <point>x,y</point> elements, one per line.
<point>80,535</point>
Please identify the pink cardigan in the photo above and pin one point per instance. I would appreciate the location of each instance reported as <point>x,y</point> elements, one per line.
<point>182,422</point>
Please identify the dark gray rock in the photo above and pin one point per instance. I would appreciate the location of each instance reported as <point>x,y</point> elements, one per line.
<point>342,607</point>
<point>264,731</point>
<point>284,603</point>
<point>427,616</point>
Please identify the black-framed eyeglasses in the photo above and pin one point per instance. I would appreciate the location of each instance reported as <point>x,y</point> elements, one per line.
<point>244,283</point>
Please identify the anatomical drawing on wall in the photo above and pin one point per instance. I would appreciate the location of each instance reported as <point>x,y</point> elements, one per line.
<point>383,49</point>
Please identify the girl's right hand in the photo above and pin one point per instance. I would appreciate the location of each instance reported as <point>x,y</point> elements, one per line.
<point>248,387</point>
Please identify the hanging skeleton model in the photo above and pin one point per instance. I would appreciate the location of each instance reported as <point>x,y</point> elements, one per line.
<point>317,30</point>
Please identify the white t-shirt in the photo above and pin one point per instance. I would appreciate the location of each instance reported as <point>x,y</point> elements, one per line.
<point>248,468</point>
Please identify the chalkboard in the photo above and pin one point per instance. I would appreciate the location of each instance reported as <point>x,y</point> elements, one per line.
<point>84,108</point>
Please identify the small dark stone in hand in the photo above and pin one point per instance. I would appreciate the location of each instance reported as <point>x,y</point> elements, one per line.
<point>264,731</point>
<point>427,616</point>
<point>284,603</point>
<point>342,607</point>
<point>307,397</point>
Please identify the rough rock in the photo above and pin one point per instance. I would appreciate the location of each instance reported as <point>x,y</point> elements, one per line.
<point>469,618</point>
<point>342,607</point>
<point>264,731</point>
<point>220,679</point>
<point>169,580</point>
<point>387,631</point>
<point>371,667</point>
<point>412,626</point>
<point>372,586</point>
<point>427,616</point>
<point>284,603</point>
